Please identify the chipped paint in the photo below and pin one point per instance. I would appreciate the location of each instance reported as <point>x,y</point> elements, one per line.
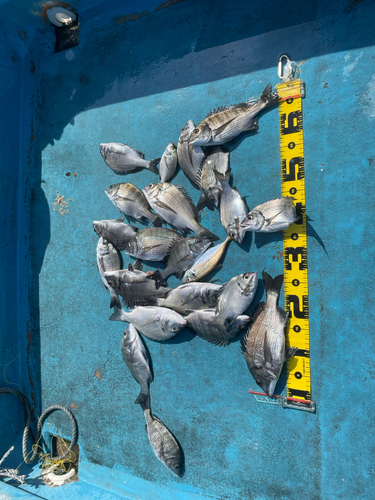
<point>368,99</point>
<point>98,374</point>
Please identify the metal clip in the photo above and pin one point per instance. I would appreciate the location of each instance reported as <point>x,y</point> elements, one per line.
<point>280,71</point>
<point>297,405</point>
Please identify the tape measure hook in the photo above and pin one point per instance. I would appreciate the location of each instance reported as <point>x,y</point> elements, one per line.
<point>280,66</point>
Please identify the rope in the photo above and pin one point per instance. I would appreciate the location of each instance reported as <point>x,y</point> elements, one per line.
<point>27,432</point>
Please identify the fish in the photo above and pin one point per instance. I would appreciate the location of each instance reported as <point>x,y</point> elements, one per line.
<point>115,231</point>
<point>219,159</point>
<point>174,205</point>
<point>227,122</point>
<point>274,215</point>
<point>191,296</point>
<point>108,259</point>
<point>152,243</point>
<point>206,262</point>
<point>189,157</point>
<point>155,323</point>
<point>264,342</point>
<point>168,163</point>
<point>182,256</point>
<point>216,162</point>
<point>207,325</point>
<point>137,358</point>
<point>123,159</point>
<point>232,210</point>
<point>131,201</point>
<point>236,296</point>
<point>135,287</point>
<point>164,444</point>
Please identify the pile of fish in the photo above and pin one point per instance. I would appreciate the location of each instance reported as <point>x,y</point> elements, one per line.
<point>214,312</point>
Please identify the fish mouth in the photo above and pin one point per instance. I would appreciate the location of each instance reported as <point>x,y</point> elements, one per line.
<point>249,284</point>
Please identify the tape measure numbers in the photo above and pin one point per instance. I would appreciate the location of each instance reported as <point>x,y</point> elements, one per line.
<point>295,245</point>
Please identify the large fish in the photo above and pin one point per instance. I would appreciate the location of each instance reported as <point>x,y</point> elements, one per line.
<point>227,122</point>
<point>152,243</point>
<point>108,259</point>
<point>168,163</point>
<point>210,327</point>
<point>131,201</point>
<point>174,205</point>
<point>137,358</point>
<point>191,296</point>
<point>155,323</point>
<point>237,296</point>
<point>164,444</point>
<point>232,210</point>
<point>217,162</point>
<point>274,215</point>
<point>115,231</point>
<point>189,157</point>
<point>206,262</point>
<point>135,287</point>
<point>123,159</point>
<point>183,255</point>
<point>264,343</point>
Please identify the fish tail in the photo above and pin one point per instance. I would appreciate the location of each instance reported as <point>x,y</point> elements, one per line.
<point>115,301</point>
<point>272,284</point>
<point>118,315</point>
<point>202,202</point>
<point>143,399</point>
<point>159,279</point>
<point>153,165</point>
<point>156,220</point>
<point>205,233</point>
<point>268,98</point>
<point>224,177</point>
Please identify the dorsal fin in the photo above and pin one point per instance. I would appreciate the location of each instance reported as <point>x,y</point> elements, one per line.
<point>199,173</point>
<point>220,109</point>
<point>187,195</point>
<point>138,265</point>
<point>130,267</point>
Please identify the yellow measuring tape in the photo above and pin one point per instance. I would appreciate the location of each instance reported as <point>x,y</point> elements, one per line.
<point>295,246</point>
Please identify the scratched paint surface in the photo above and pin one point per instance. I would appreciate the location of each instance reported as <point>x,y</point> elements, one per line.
<point>138,82</point>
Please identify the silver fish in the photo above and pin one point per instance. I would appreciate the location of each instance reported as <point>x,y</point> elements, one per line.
<point>274,215</point>
<point>174,205</point>
<point>219,159</point>
<point>115,231</point>
<point>191,296</point>
<point>232,210</point>
<point>264,343</point>
<point>237,296</point>
<point>155,323</point>
<point>206,262</point>
<point>163,443</point>
<point>168,163</point>
<point>131,201</point>
<point>108,259</point>
<point>135,287</point>
<point>123,159</point>
<point>217,162</point>
<point>210,327</point>
<point>227,122</point>
<point>183,255</point>
<point>137,358</point>
<point>189,157</point>
<point>152,243</point>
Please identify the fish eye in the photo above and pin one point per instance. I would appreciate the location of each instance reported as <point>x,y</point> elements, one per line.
<point>212,199</point>
<point>196,131</point>
<point>250,217</point>
<point>199,240</point>
<point>215,297</point>
<point>239,327</point>
<point>246,276</point>
<point>232,234</point>
<point>151,186</point>
<point>174,328</point>
<point>188,279</point>
<point>258,381</point>
<point>176,466</point>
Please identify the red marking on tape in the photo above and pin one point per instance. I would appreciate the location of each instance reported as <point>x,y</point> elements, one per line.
<point>274,396</point>
<point>290,97</point>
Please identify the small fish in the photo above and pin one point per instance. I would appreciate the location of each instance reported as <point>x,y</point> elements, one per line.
<point>219,159</point>
<point>123,159</point>
<point>135,287</point>
<point>264,343</point>
<point>210,186</point>
<point>174,205</point>
<point>108,259</point>
<point>232,210</point>
<point>237,296</point>
<point>131,201</point>
<point>182,256</point>
<point>168,163</point>
<point>189,157</point>
<point>191,296</point>
<point>206,262</point>
<point>164,444</point>
<point>210,327</point>
<point>226,123</point>
<point>115,231</point>
<point>155,323</point>
<point>152,243</point>
<point>274,215</point>
<point>137,358</point>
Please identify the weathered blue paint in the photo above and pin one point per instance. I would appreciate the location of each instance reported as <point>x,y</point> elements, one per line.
<point>139,81</point>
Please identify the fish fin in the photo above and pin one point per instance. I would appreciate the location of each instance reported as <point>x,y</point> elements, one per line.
<point>272,285</point>
<point>205,233</point>
<point>117,315</point>
<point>157,221</point>
<point>220,343</point>
<point>268,97</point>
<point>221,129</point>
<point>199,173</point>
<point>253,124</point>
<point>115,301</point>
<point>130,267</point>
<point>139,153</point>
<point>257,311</point>
<point>225,108</point>
<point>189,311</point>
<point>139,302</point>
<point>187,196</point>
<point>143,398</point>
<point>153,165</point>
<point>268,221</point>
<point>202,202</point>
<point>138,265</point>
<point>158,278</point>
<point>290,352</point>
<point>244,342</point>
<point>173,243</point>
<point>162,205</point>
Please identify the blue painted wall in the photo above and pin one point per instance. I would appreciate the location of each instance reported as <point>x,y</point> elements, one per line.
<point>139,82</point>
